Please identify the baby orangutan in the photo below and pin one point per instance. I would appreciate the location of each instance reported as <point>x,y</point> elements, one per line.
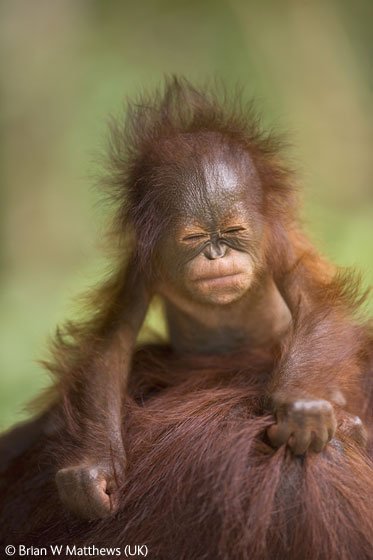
<point>207,208</point>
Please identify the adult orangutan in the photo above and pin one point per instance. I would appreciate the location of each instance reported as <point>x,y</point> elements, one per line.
<point>207,220</point>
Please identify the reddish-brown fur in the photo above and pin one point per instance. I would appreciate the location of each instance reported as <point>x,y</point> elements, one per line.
<point>201,479</point>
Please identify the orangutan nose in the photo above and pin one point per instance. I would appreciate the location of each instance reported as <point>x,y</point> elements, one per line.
<point>215,250</point>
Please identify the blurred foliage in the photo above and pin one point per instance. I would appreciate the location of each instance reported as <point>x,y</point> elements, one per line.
<point>66,65</point>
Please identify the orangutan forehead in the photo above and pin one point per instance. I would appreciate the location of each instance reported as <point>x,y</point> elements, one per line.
<point>213,191</point>
<point>226,175</point>
<point>208,179</point>
<point>221,179</point>
<point>208,165</point>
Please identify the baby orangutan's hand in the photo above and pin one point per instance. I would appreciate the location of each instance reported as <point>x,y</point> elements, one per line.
<point>88,491</point>
<point>303,424</point>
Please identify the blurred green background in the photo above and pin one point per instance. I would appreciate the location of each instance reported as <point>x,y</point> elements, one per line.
<point>66,65</point>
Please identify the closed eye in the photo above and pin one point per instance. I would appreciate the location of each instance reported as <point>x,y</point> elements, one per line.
<point>235,229</point>
<point>195,237</point>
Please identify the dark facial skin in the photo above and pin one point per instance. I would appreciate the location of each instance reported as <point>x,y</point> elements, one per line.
<point>212,254</point>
